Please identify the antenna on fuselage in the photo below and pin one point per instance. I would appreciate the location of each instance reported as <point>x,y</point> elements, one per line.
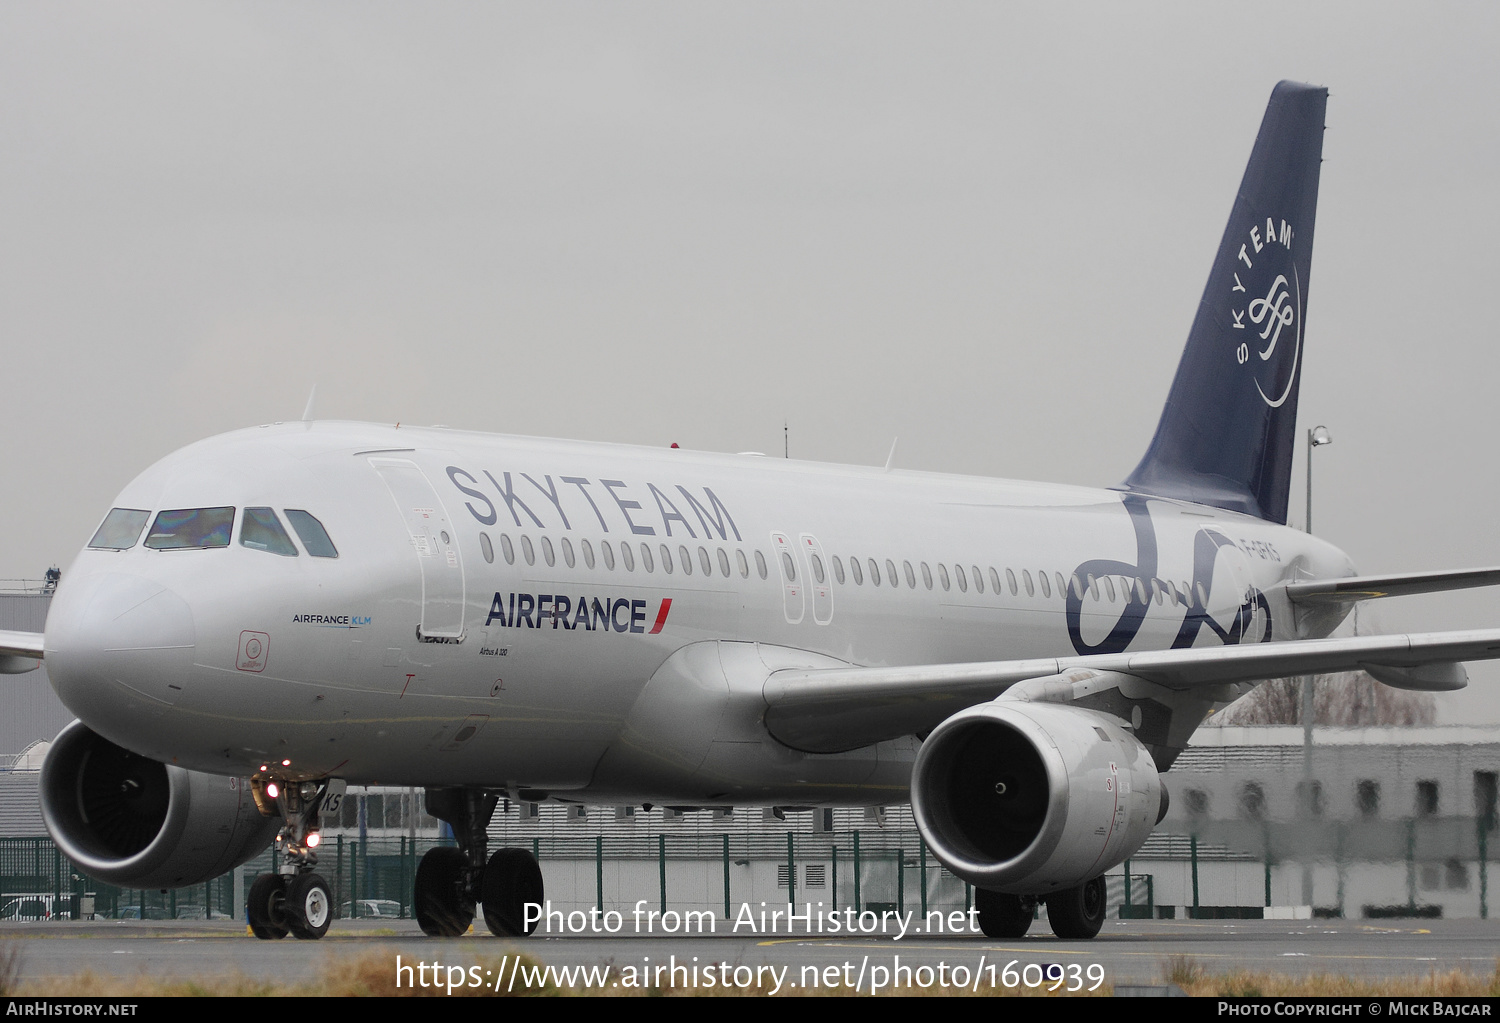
<point>786,440</point>
<point>890,459</point>
<point>307,413</point>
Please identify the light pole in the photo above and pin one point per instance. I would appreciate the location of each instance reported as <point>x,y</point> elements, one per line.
<point>1316,438</point>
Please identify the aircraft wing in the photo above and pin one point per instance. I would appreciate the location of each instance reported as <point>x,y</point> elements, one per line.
<point>1368,587</point>
<point>19,652</point>
<point>827,710</point>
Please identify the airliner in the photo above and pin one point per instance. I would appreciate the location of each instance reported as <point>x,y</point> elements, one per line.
<point>267,616</point>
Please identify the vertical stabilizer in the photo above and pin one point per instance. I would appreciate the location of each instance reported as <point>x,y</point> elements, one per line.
<point>1228,430</point>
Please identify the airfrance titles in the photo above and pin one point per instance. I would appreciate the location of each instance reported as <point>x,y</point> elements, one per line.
<point>589,614</point>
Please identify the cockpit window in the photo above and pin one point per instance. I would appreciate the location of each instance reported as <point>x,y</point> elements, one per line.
<point>121,529</point>
<point>262,531</point>
<point>312,534</point>
<point>183,528</point>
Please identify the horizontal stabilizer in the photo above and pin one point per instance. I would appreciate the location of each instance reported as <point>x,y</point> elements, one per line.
<point>831,710</point>
<point>1369,587</point>
<point>20,652</point>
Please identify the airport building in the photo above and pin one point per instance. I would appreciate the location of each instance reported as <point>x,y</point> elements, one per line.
<point>1373,822</point>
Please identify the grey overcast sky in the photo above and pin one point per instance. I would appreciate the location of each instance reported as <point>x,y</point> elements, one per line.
<point>981,227</point>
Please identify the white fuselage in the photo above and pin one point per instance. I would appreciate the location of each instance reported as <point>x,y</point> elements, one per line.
<point>412,658</point>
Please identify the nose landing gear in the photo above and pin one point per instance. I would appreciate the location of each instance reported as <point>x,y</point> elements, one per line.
<point>296,900</point>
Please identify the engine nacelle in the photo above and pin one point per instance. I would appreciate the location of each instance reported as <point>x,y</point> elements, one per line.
<point>1031,798</point>
<point>131,821</point>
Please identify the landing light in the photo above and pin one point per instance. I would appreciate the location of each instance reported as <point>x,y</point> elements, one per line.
<point>286,763</point>
<point>313,839</point>
<point>272,789</point>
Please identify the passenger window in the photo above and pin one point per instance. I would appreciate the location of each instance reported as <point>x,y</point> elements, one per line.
<point>567,549</point>
<point>911,575</point>
<point>760,564</point>
<point>1202,596</point>
<point>723,563</point>
<point>890,572</point>
<point>926,576</point>
<point>526,550</point>
<point>548,555</point>
<point>588,553</point>
<point>817,567</point>
<point>838,569</point>
<point>191,529</point>
<point>646,559</point>
<point>787,567</point>
<point>312,534</point>
<point>609,554</point>
<point>260,530</point>
<point>507,549</point>
<point>978,579</point>
<point>686,560</point>
<point>1026,578</point>
<point>1061,586</point>
<point>739,556</point>
<point>963,580</point>
<point>120,530</point>
<point>1109,587</point>
<point>874,572</point>
<point>1093,586</point>
<point>706,565</point>
<point>1010,579</point>
<point>486,548</point>
<point>627,558</point>
<point>857,572</point>
<point>994,581</point>
<point>943,576</point>
<point>1046,586</point>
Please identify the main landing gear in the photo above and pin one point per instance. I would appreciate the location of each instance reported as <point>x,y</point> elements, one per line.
<point>296,899</point>
<point>451,882</point>
<point>1076,914</point>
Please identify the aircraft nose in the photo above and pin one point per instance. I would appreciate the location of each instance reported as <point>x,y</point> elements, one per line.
<point>117,629</point>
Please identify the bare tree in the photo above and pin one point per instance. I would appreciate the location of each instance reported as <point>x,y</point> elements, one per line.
<point>1350,699</point>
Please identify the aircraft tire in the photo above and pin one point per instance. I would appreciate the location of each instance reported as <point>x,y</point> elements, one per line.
<point>265,907</point>
<point>1077,914</point>
<point>1001,915</point>
<point>443,911</point>
<point>308,907</point>
<point>512,879</point>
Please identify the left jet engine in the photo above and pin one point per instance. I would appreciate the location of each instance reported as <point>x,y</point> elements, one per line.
<point>131,821</point>
<point>1032,798</point>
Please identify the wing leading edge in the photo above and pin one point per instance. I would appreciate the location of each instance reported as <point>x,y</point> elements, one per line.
<point>1370,587</point>
<point>828,710</point>
<point>19,652</point>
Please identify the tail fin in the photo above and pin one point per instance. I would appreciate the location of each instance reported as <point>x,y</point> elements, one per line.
<point>1228,431</point>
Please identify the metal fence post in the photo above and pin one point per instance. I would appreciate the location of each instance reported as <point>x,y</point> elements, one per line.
<point>856,873</point>
<point>1484,872</point>
<point>900,880</point>
<point>791,871</point>
<point>661,863</point>
<point>1193,850</point>
<point>599,872</point>
<point>727,913</point>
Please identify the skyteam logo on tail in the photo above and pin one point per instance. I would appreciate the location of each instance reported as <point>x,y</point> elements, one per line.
<point>1266,303</point>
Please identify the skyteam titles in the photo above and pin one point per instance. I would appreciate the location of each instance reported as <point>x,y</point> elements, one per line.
<point>523,494</point>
